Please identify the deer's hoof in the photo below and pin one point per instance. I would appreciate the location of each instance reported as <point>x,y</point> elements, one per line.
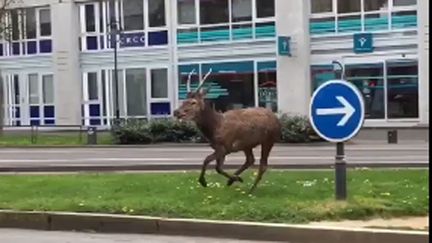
<point>203,182</point>
<point>234,179</point>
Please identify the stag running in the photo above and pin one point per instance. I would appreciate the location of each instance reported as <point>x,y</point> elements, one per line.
<point>230,132</point>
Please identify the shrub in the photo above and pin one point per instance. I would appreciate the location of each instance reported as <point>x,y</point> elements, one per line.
<point>295,129</point>
<point>156,131</point>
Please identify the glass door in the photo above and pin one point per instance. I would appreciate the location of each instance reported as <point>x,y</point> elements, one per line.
<point>16,105</point>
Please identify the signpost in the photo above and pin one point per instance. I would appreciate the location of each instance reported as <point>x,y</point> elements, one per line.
<point>284,46</point>
<point>337,114</point>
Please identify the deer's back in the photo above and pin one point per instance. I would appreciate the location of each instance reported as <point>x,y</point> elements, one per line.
<point>248,127</point>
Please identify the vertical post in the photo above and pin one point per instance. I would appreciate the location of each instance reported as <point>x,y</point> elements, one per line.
<point>116,75</point>
<point>340,172</point>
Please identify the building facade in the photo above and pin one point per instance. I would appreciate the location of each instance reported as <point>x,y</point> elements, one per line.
<point>58,59</point>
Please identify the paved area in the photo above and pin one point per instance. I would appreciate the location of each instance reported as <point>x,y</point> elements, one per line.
<point>160,158</point>
<point>414,223</point>
<point>30,236</point>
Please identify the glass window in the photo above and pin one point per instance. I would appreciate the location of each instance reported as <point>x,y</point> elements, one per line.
<point>30,18</point>
<point>90,18</point>
<point>45,22</point>
<point>402,89</point>
<point>374,5</point>
<point>156,13</point>
<point>404,2</point>
<point>136,92</point>
<point>369,79</point>
<point>186,12</point>
<point>214,11</point>
<point>241,10</point>
<point>321,6</point>
<point>133,15</point>
<point>15,26</point>
<point>267,85</point>
<point>92,86</point>
<point>48,89</point>
<point>33,89</point>
<point>232,85</point>
<point>159,83</point>
<point>121,91</point>
<point>350,6</point>
<point>265,8</point>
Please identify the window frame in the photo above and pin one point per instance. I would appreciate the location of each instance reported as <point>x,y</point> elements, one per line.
<point>391,9</point>
<point>198,26</point>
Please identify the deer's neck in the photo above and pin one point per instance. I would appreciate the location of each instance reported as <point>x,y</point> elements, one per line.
<point>208,122</point>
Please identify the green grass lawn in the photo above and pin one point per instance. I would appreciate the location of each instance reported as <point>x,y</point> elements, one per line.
<point>289,197</point>
<point>24,139</point>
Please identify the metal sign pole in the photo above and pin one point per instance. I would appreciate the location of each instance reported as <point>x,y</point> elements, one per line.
<point>340,172</point>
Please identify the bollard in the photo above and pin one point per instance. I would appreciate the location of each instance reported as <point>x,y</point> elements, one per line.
<point>91,135</point>
<point>392,137</point>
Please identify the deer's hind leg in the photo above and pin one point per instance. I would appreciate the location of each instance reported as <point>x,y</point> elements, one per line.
<point>265,152</point>
<point>250,160</point>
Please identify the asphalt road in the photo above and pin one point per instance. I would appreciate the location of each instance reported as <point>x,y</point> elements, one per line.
<point>30,236</point>
<point>179,158</point>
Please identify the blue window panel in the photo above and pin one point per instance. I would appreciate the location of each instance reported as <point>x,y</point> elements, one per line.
<point>15,48</point>
<point>160,109</point>
<point>34,112</point>
<point>95,122</point>
<point>187,37</point>
<point>158,38</point>
<point>322,27</point>
<point>92,43</point>
<point>31,47</point>
<point>267,66</point>
<point>35,122</point>
<point>215,34</point>
<point>49,111</point>
<point>242,33</point>
<point>404,21</point>
<point>17,112</point>
<point>49,122</point>
<point>45,46</point>
<point>132,40</point>
<point>349,25</point>
<point>229,67</point>
<point>94,110</point>
<point>372,24</point>
<point>1,50</point>
<point>265,30</point>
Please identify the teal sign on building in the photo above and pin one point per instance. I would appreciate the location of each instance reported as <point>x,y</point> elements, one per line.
<point>284,48</point>
<point>363,43</point>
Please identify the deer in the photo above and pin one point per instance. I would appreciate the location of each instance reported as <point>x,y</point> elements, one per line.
<point>232,131</point>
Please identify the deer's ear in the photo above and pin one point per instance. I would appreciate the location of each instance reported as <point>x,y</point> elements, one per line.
<point>203,92</point>
<point>190,95</point>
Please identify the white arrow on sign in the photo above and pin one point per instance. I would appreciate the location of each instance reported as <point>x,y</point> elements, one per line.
<point>347,109</point>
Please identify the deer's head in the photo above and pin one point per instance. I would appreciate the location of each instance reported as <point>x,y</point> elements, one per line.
<point>194,103</point>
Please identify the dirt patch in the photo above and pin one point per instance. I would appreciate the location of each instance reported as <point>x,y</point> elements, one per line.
<point>406,223</point>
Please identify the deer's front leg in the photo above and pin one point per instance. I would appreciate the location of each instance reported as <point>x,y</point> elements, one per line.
<point>206,162</point>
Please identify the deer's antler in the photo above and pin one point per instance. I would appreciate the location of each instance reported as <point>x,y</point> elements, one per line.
<point>203,81</point>
<point>188,82</point>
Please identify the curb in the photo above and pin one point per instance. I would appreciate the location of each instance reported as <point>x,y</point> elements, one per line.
<point>157,145</point>
<point>107,223</point>
<point>190,167</point>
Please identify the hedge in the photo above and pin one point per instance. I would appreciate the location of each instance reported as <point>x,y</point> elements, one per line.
<point>295,129</point>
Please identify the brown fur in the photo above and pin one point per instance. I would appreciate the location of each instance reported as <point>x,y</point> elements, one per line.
<point>230,132</point>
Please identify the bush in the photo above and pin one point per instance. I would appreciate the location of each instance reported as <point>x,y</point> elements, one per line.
<point>156,131</point>
<point>295,129</point>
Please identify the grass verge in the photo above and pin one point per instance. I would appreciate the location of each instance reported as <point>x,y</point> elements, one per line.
<point>287,197</point>
<point>51,139</point>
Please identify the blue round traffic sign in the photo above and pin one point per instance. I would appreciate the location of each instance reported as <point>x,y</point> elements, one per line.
<point>337,111</point>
